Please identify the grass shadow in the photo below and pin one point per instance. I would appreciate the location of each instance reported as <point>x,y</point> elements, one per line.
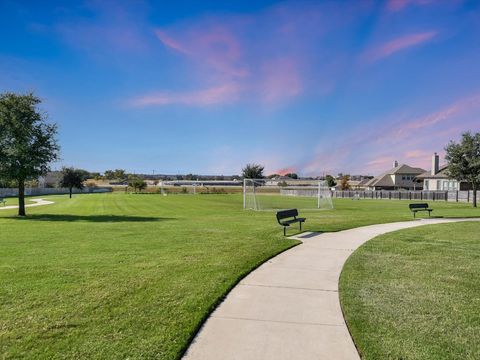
<point>91,218</point>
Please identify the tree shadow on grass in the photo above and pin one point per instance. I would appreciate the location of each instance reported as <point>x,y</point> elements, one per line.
<point>91,218</point>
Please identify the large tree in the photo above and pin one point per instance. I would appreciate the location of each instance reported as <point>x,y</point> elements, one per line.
<point>27,142</point>
<point>464,161</point>
<point>253,171</point>
<point>72,178</point>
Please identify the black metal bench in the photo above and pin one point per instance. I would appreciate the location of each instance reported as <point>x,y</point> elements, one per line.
<point>287,217</point>
<point>419,207</point>
<point>3,201</point>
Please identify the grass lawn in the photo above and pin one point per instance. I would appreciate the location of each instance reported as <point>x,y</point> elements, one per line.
<point>415,294</point>
<point>133,276</point>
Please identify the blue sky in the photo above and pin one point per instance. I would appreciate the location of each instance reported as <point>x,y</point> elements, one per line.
<point>206,86</point>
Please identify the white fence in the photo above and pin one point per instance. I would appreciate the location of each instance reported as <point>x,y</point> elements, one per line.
<point>10,192</point>
<point>455,196</point>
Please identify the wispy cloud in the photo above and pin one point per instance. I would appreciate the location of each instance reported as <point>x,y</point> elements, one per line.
<point>401,43</point>
<point>268,56</point>
<point>411,140</point>
<point>211,96</point>
<point>115,28</point>
<point>398,5</point>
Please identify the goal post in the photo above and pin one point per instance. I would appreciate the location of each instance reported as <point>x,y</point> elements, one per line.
<point>276,194</point>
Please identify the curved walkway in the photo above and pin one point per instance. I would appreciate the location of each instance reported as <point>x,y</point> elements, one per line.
<point>38,202</point>
<point>289,307</point>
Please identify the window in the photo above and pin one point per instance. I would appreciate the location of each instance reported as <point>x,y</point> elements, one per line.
<point>445,185</point>
<point>439,185</point>
<point>425,185</point>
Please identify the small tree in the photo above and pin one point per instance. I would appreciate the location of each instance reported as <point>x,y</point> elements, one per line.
<point>72,178</point>
<point>27,142</point>
<point>137,184</point>
<point>253,171</point>
<point>292,175</point>
<point>464,161</point>
<point>344,185</point>
<point>109,174</point>
<point>330,181</point>
<point>119,174</point>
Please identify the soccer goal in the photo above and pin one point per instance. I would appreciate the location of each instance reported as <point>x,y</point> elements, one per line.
<point>274,194</point>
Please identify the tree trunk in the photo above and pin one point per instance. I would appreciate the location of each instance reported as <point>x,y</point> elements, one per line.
<point>475,186</point>
<point>21,198</point>
<point>71,189</point>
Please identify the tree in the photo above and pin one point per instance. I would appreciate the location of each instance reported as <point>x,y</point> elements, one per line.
<point>464,161</point>
<point>330,181</point>
<point>27,142</point>
<point>344,185</point>
<point>119,174</point>
<point>137,184</point>
<point>109,174</point>
<point>292,175</point>
<point>253,171</point>
<point>72,178</point>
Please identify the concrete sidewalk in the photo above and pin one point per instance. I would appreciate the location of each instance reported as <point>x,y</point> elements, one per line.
<point>289,307</point>
<point>37,202</point>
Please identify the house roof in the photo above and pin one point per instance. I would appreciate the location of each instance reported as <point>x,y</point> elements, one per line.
<point>441,174</point>
<point>386,180</point>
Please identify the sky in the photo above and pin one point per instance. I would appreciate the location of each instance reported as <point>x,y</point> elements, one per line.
<point>205,87</point>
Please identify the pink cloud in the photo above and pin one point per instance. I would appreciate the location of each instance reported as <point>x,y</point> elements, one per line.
<point>397,5</point>
<point>410,140</point>
<point>226,93</point>
<point>407,129</point>
<point>169,42</point>
<point>272,56</point>
<point>281,80</point>
<point>116,29</point>
<point>416,154</point>
<point>285,171</point>
<point>398,44</point>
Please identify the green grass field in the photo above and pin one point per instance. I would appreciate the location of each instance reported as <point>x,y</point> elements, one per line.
<point>133,276</point>
<point>415,294</point>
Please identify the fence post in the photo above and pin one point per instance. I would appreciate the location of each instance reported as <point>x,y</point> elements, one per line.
<point>456,196</point>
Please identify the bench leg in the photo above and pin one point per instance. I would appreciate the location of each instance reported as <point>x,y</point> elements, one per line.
<point>284,231</point>
<point>300,226</point>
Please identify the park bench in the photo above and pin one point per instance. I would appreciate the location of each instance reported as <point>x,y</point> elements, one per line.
<point>3,201</point>
<point>287,217</point>
<point>419,207</point>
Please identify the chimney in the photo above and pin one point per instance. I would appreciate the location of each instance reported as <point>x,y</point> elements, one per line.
<point>395,163</point>
<point>435,161</point>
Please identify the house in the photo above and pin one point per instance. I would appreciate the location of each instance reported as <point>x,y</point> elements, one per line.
<point>51,179</point>
<point>399,177</point>
<point>438,179</point>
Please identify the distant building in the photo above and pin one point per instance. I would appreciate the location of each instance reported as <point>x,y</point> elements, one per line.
<point>400,177</point>
<point>51,179</point>
<point>437,179</point>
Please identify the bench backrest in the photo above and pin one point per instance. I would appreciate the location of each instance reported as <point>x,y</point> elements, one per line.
<point>418,206</point>
<point>285,214</point>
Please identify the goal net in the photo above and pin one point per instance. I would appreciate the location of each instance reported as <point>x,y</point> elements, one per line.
<point>274,194</point>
